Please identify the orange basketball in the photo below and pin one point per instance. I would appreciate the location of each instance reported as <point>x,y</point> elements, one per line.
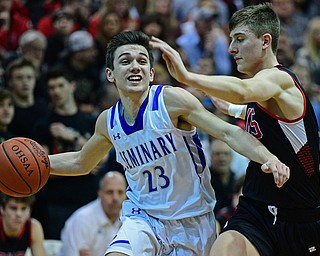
<point>24,167</point>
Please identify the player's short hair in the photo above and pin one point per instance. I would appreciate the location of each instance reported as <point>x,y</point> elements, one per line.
<point>125,38</point>
<point>28,200</point>
<point>260,19</point>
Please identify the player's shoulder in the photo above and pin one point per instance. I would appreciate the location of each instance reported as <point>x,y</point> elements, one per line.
<point>35,222</point>
<point>36,227</point>
<point>276,76</point>
<point>175,91</point>
<point>180,101</point>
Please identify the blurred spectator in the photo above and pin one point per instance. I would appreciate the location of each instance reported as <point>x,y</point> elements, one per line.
<point>310,86</point>
<point>17,230</point>
<point>163,9</point>
<point>63,25</point>
<point>2,71</point>
<point>18,6</point>
<point>206,39</point>
<point>109,25</point>
<point>182,9</point>
<point>291,23</point>
<point>80,64</point>
<point>21,81</point>
<point>224,214</point>
<point>307,8</point>
<point>222,177</point>
<point>6,114</point>
<point>90,229</point>
<point>285,52</point>
<point>41,8</point>
<point>221,10</point>
<point>161,74</point>
<point>239,162</point>
<point>234,5</point>
<point>153,25</point>
<point>12,25</point>
<point>79,9</point>
<point>65,128</point>
<point>129,15</point>
<point>107,96</point>
<point>205,65</point>
<point>32,47</point>
<point>309,54</point>
<point>110,163</point>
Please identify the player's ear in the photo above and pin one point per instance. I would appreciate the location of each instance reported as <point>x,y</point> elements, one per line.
<point>266,40</point>
<point>109,74</point>
<point>151,74</point>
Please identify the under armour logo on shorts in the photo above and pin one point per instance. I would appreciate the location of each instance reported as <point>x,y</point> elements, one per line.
<point>116,136</point>
<point>136,211</point>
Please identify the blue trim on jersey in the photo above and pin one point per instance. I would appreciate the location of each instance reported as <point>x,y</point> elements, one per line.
<point>201,154</point>
<point>202,157</point>
<point>120,242</point>
<point>190,153</point>
<point>155,105</point>
<point>113,110</point>
<point>138,124</point>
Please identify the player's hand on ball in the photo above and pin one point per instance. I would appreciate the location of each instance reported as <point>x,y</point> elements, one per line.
<point>280,172</point>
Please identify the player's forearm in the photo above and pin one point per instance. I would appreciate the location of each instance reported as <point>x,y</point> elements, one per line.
<point>67,164</point>
<point>249,146</point>
<point>224,87</point>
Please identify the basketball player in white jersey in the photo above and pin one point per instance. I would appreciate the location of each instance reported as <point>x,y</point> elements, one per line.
<point>170,203</point>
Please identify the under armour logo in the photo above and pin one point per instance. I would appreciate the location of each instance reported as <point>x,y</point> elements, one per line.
<point>136,211</point>
<point>312,249</point>
<point>116,136</point>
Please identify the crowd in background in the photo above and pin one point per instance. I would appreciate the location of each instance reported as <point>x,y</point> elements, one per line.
<point>42,41</point>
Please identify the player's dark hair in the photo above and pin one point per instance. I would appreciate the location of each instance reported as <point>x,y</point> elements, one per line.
<point>28,200</point>
<point>125,38</point>
<point>260,19</point>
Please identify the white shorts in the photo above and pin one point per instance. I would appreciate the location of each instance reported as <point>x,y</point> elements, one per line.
<point>144,235</point>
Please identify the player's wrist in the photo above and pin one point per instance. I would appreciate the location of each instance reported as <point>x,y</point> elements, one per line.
<point>235,110</point>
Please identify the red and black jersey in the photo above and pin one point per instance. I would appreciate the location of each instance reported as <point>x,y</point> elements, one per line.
<point>15,246</point>
<point>295,143</point>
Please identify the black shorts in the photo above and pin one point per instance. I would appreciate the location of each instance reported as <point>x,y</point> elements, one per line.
<point>275,237</point>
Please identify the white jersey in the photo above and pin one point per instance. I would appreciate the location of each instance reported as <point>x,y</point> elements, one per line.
<point>165,167</point>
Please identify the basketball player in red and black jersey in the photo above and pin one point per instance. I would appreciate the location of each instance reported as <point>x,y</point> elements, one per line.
<point>17,230</point>
<point>270,219</point>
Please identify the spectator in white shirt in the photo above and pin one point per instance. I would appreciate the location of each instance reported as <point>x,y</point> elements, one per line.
<point>90,229</point>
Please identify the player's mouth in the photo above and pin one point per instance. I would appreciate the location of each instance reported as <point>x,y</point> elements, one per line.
<point>135,78</point>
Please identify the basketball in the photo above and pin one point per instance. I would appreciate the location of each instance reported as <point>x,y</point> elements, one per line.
<point>24,167</point>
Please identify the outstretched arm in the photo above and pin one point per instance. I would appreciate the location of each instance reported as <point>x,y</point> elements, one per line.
<point>184,106</point>
<point>37,237</point>
<point>262,87</point>
<point>237,111</point>
<point>83,161</point>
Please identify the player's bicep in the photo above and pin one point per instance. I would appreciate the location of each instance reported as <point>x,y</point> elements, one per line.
<point>263,86</point>
<point>188,108</point>
<point>98,145</point>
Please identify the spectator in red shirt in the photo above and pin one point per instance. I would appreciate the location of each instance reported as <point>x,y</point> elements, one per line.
<point>12,25</point>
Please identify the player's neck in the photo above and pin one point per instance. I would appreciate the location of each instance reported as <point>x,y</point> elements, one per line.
<point>11,232</point>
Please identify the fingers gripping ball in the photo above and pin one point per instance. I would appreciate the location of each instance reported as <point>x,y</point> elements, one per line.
<point>24,167</point>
